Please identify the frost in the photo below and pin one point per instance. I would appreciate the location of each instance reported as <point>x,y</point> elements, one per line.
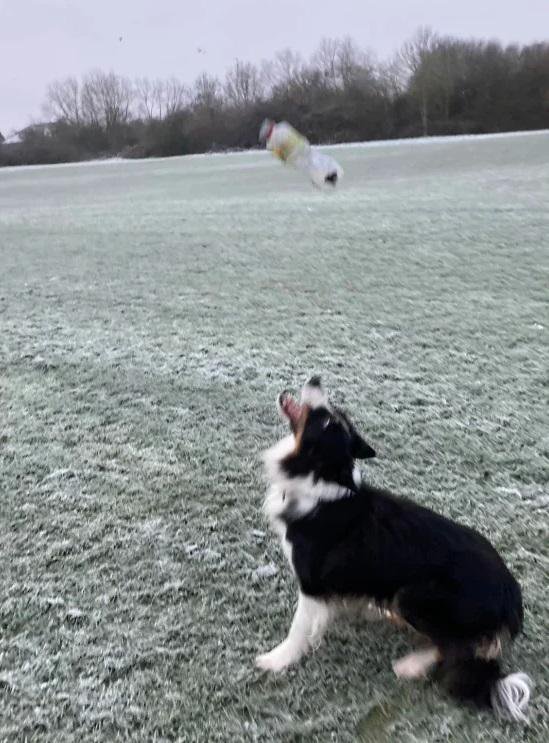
<point>265,571</point>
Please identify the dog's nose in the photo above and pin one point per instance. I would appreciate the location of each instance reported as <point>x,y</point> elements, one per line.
<point>314,381</point>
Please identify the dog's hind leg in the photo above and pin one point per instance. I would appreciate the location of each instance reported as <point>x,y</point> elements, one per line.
<point>416,665</point>
<point>308,626</point>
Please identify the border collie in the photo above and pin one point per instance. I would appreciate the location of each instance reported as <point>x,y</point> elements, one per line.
<point>351,544</point>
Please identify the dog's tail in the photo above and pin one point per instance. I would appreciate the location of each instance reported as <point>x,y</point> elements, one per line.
<point>481,681</point>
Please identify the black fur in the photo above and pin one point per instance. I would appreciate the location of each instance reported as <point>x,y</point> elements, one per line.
<point>329,445</point>
<point>444,579</point>
<point>447,580</point>
<point>468,678</point>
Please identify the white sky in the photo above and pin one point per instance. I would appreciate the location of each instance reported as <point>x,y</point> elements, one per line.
<point>43,40</point>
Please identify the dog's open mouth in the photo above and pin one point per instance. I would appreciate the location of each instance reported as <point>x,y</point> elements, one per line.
<point>289,407</point>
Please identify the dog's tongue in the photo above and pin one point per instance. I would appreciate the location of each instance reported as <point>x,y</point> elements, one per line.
<point>290,407</point>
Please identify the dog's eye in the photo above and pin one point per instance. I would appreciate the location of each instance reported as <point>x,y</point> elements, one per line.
<point>326,422</point>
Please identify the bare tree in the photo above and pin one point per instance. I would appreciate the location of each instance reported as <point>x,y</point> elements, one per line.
<point>157,91</point>
<point>154,97</point>
<point>413,52</point>
<point>243,84</point>
<point>325,60</point>
<point>63,101</point>
<point>144,94</point>
<point>416,67</point>
<point>341,62</point>
<point>351,61</point>
<point>447,66</point>
<point>91,112</point>
<point>390,74</point>
<point>106,99</point>
<point>207,92</point>
<point>175,95</point>
<point>284,69</point>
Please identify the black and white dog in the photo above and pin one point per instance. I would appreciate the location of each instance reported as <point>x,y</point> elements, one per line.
<point>349,543</point>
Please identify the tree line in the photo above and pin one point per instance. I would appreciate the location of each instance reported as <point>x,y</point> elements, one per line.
<point>433,85</point>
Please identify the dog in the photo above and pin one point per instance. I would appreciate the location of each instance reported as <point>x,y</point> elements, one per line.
<point>350,543</point>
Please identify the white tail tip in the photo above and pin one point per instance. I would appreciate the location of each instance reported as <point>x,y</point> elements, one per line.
<point>510,697</point>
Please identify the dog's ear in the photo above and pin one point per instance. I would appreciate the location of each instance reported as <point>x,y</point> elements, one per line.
<point>359,448</point>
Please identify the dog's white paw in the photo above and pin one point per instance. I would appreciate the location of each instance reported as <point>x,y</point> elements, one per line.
<point>276,661</point>
<point>415,665</point>
<point>406,668</point>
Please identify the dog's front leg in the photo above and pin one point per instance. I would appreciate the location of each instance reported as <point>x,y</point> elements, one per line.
<point>308,625</point>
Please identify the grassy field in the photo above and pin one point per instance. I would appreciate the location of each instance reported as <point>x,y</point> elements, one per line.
<point>149,314</point>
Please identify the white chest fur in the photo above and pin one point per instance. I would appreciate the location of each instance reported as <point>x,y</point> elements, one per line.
<point>300,493</point>
<point>275,503</point>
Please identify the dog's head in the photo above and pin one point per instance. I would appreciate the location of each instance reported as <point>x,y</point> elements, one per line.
<point>323,444</point>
